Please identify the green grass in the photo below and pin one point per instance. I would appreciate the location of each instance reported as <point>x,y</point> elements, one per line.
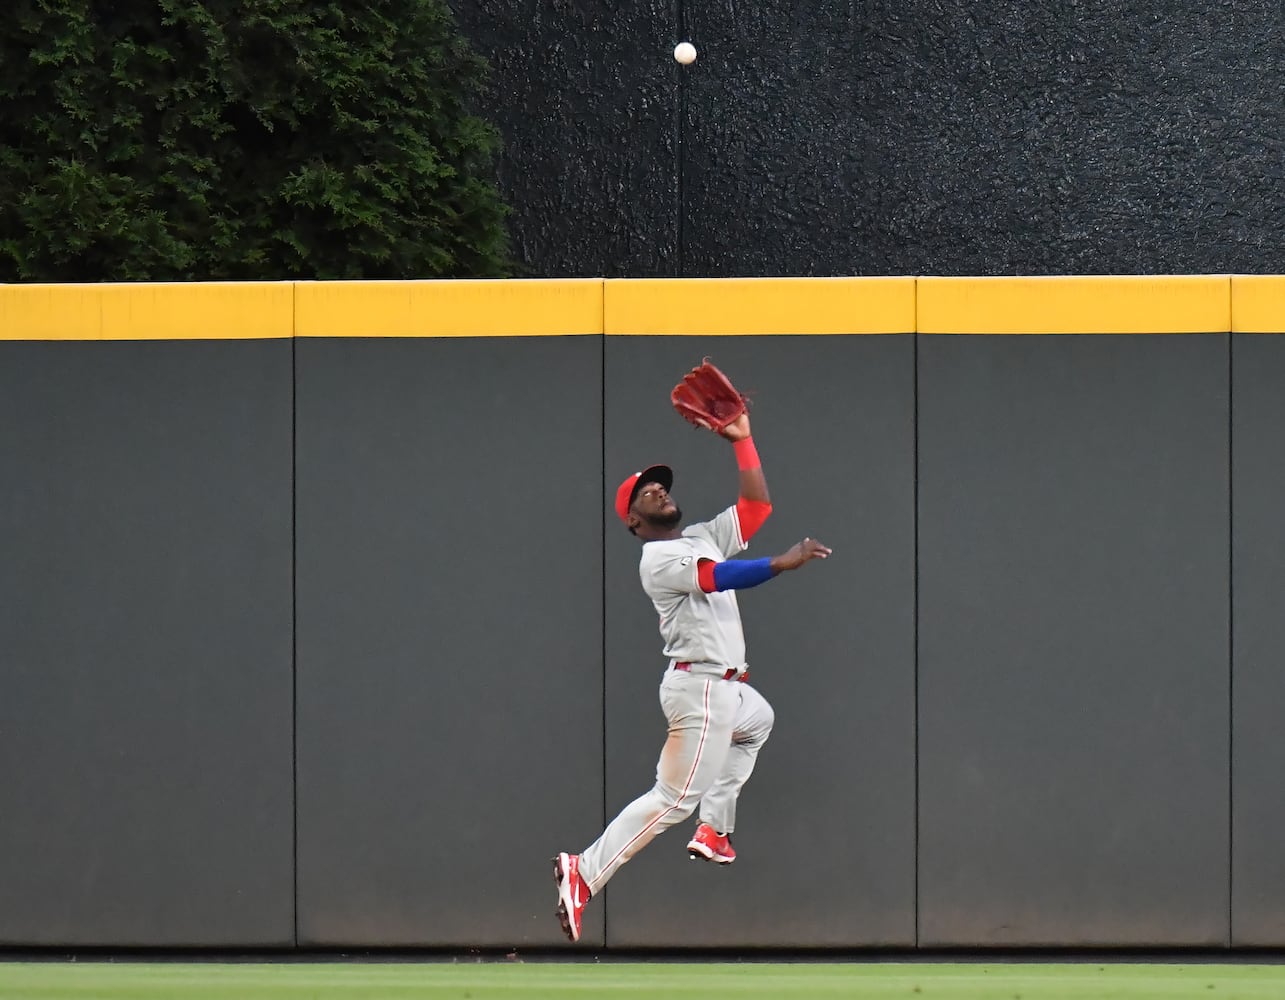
<point>653,980</point>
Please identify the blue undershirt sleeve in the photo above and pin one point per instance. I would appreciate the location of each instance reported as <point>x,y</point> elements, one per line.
<point>741,574</point>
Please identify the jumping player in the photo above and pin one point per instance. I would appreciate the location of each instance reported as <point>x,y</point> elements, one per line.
<point>717,722</point>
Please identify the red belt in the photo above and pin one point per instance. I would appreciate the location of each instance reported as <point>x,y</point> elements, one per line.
<point>731,673</point>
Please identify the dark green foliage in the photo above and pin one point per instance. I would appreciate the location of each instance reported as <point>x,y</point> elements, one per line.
<point>269,139</point>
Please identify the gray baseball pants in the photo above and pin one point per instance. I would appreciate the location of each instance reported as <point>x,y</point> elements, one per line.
<point>716,729</point>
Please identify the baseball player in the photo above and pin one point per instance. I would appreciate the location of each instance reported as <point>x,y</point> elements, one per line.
<point>717,721</point>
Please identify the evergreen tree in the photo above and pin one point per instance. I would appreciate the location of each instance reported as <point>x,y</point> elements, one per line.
<point>264,139</point>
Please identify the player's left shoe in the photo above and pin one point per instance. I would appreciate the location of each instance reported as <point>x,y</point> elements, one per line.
<point>711,845</point>
<point>573,893</point>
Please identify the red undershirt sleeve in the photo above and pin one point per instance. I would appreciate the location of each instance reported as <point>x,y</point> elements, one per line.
<point>751,514</point>
<point>705,575</point>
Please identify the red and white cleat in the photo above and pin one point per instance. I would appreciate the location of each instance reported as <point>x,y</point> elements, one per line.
<point>573,893</point>
<point>711,846</point>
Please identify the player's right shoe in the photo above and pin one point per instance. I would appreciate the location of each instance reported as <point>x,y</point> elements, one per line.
<point>573,893</point>
<point>711,845</point>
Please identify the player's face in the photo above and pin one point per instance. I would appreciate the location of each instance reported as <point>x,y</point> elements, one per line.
<point>655,506</point>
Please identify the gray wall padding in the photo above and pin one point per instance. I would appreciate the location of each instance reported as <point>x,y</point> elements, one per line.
<point>146,787</point>
<point>450,635</point>
<point>1073,640</point>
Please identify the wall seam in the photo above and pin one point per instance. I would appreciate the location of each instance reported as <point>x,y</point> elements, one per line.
<point>680,128</point>
<point>1231,635</point>
<point>602,555</point>
<point>294,603</point>
<point>915,604</point>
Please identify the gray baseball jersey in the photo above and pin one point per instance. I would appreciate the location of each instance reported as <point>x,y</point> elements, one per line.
<point>697,627</point>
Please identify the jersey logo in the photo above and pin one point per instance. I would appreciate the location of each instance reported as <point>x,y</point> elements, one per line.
<point>685,561</point>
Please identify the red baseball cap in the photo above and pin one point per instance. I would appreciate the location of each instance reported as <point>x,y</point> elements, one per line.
<point>662,474</point>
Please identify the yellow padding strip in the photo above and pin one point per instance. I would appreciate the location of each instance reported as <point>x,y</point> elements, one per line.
<point>1258,303</point>
<point>694,306</point>
<point>484,308</point>
<point>167,311</point>
<point>1107,304</point>
<point>740,306</point>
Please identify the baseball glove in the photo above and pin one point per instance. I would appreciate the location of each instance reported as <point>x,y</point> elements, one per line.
<point>706,398</point>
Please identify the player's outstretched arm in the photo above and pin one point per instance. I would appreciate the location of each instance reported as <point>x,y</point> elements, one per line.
<point>796,555</point>
<point>741,574</point>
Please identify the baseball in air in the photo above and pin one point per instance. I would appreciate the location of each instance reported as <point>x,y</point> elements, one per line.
<point>685,52</point>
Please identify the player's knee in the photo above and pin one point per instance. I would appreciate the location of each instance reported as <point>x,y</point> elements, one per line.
<point>764,731</point>
<point>759,717</point>
<point>671,798</point>
<point>764,720</point>
<point>677,806</point>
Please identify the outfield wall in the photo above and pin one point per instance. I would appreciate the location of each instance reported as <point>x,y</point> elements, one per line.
<point>316,630</point>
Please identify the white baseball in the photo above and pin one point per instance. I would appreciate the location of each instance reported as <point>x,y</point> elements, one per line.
<point>685,52</point>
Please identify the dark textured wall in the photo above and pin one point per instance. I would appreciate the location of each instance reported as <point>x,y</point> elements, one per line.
<point>889,137</point>
<point>588,115</point>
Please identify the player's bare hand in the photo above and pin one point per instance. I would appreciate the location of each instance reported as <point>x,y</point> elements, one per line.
<point>738,429</point>
<point>796,555</point>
